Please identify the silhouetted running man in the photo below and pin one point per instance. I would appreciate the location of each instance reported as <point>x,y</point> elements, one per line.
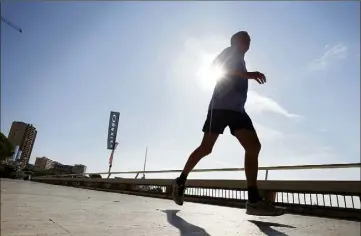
<point>226,108</point>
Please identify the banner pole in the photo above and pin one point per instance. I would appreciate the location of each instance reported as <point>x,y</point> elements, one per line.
<point>145,161</point>
<point>111,159</point>
<point>110,166</point>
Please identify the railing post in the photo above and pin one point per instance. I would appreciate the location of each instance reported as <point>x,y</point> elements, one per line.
<point>268,195</point>
<point>168,190</point>
<point>266,175</point>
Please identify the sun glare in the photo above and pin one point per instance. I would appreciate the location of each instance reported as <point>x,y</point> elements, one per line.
<point>208,74</point>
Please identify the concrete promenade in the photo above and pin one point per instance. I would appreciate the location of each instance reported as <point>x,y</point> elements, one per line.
<point>30,209</point>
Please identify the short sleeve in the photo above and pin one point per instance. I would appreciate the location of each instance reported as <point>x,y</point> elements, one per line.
<point>222,58</point>
<point>230,60</point>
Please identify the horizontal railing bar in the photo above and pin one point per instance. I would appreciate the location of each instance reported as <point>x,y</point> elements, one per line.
<point>350,187</point>
<point>294,167</point>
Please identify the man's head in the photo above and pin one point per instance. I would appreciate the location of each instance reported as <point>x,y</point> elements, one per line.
<point>241,40</point>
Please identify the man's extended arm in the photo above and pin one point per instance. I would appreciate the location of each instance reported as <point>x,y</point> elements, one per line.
<point>258,76</point>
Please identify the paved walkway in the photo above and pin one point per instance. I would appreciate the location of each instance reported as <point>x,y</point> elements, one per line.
<point>29,209</point>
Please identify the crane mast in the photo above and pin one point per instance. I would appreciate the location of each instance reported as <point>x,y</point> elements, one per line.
<point>11,24</point>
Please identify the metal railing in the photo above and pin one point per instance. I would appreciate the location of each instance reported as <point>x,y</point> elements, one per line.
<point>326,198</point>
<point>266,168</point>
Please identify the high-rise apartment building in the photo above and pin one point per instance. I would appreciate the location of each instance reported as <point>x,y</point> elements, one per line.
<point>23,135</point>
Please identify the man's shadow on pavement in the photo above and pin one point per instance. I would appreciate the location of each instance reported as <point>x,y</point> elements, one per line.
<point>185,228</point>
<point>265,227</point>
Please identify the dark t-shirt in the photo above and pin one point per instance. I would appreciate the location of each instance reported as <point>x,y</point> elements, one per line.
<point>230,93</point>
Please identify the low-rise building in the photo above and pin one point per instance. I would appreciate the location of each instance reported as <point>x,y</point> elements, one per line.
<point>62,169</point>
<point>43,163</point>
<point>78,169</point>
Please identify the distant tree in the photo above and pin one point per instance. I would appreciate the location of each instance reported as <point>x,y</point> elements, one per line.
<point>95,176</point>
<point>6,148</point>
<point>7,171</point>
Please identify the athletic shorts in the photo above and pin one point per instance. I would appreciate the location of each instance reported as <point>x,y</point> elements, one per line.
<point>218,120</point>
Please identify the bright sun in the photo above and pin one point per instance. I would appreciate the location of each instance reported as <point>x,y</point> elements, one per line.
<point>207,74</point>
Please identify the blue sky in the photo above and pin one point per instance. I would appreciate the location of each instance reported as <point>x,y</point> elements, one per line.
<point>75,62</point>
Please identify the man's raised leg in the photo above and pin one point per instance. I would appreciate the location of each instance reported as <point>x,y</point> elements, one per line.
<point>204,149</point>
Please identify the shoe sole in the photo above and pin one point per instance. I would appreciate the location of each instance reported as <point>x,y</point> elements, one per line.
<point>264,213</point>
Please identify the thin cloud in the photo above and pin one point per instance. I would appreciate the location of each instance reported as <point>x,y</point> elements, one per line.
<point>332,53</point>
<point>258,103</point>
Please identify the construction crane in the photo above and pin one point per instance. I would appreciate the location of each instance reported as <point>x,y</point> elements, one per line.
<point>11,24</point>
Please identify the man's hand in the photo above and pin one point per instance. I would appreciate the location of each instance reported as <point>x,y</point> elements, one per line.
<point>258,76</point>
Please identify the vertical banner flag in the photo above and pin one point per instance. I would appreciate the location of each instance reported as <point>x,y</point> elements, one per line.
<point>112,130</point>
<point>111,154</point>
